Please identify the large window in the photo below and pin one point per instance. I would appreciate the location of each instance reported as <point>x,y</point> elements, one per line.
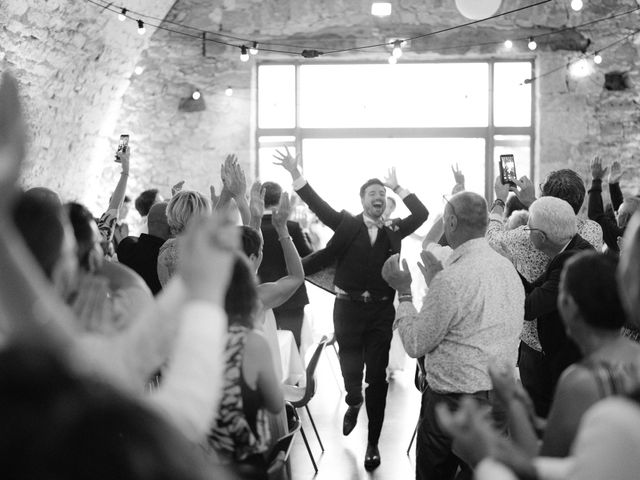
<point>353,121</point>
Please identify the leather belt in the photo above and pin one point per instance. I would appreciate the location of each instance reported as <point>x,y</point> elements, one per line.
<point>362,298</point>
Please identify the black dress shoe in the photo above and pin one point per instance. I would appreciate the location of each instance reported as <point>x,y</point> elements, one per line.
<point>372,457</point>
<point>350,419</point>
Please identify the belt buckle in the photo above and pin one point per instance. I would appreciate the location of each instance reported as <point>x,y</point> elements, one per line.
<point>366,297</point>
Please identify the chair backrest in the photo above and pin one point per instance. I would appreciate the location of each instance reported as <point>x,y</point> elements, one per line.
<point>310,388</point>
<point>280,451</point>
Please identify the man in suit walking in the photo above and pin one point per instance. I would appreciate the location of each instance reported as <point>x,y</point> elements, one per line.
<point>363,311</point>
<point>289,315</point>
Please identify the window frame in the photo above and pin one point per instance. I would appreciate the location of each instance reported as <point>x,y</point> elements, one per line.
<point>488,133</point>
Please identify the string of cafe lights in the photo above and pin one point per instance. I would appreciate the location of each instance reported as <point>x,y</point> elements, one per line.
<point>396,44</point>
<point>249,46</point>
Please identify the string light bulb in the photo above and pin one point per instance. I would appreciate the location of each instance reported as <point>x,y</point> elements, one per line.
<point>577,5</point>
<point>196,95</point>
<point>228,92</point>
<point>141,28</point>
<point>392,60</point>
<point>580,68</point>
<point>597,58</point>
<point>244,55</point>
<point>532,44</point>
<point>138,70</point>
<point>508,44</point>
<point>254,49</point>
<point>122,16</point>
<point>397,49</point>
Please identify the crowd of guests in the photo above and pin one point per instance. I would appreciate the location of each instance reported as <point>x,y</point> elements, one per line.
<point>121,354</point>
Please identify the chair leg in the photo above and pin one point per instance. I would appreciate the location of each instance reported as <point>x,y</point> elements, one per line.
<point>313,424</point>
<point>306,444</point>
<point>413,437</point>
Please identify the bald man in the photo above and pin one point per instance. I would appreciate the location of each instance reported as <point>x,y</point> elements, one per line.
<point>141,253</point>
<point>472,313</point>
<point>629,271</point>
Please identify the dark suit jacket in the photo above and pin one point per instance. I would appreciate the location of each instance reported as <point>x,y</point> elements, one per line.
<point>542,303</point>
<point>141,254</point>
<point>273,266</point>
<point>347,226</point>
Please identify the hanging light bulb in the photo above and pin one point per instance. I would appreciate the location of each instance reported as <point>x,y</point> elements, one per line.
<point>581,68</point>
<point>532,44</point>
<point>508,44</point>
<point>597,59</point>
<point>138,70</point>
<point>122,16</point>
<point>244,55</point>
<point>254,49</point>
<point>228,92</point>
<point>397,49</point>
<point>196,95</point>
<point>392,60</point>
<point>577,5</point>
<point>141,29</point>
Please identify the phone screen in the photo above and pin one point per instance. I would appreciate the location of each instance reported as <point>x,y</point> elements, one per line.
<point>507,169</point>
<point>122,146</point>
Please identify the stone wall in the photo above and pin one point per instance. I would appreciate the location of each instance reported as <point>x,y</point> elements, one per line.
<point>73,62</point>
<point>76,65</point>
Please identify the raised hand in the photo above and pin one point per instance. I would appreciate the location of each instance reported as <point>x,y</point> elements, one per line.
<point>616,172</point>
<point>287,161</point>
<point>123,158</point>
<point>214,197</point>
<point>207,254</point>
<point>397,278</point>
<point>280,215</point>
<point>502,191</point>
<point>177,187</point>
<point>391,179</point>
<point>430,266</point>
<point>525,190</point>
<point>256,200</point>
<point>92,305</point>
<point>597,171</point>
<point>234,178</point>
<point>458,176</point>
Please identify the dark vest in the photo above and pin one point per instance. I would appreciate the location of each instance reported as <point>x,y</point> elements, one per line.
<point>359,268</point>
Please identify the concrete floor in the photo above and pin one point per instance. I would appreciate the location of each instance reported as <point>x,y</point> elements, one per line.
<point>343,456</point>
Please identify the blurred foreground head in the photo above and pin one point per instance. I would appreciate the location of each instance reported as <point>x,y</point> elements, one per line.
<point>629,271</point>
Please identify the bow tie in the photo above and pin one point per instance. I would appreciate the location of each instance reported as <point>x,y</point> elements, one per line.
<point>373,223</point>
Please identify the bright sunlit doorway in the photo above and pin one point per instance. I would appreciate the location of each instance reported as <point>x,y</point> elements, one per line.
<point>353,121</point>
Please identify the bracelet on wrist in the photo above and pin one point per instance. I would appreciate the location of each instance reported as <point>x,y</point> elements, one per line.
<point>498,203</point>
<point>125,174</point>
<point>284,237</point>
<point>396,188</point>
<point>406,297</point>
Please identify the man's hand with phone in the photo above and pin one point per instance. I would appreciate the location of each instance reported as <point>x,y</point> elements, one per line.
<point>123,159</point>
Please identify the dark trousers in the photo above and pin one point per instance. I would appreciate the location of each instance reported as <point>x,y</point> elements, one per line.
<point>536,378</point>
<point>435,459</point>
<point>290,319</point>
<point>363,332</point>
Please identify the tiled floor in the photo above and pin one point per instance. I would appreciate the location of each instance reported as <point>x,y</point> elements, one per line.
<point>343,457</point>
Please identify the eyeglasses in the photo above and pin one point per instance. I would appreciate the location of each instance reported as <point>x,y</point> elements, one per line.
<point>450,204</point>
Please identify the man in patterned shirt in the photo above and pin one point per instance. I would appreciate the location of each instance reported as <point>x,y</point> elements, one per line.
<point>531,263</point>
<point>472,313</point>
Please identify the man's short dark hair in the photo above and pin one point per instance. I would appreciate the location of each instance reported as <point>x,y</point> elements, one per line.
<point>590,279</point>
<point>145,200</point>
<point>368,183</point>
<point>272,192</point>
<point>251,240</point>
<point>566,185</point>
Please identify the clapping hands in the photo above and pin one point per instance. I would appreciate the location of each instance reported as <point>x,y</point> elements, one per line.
<point>430,266</point>
<point>397,278</point>
<point>280,215</point>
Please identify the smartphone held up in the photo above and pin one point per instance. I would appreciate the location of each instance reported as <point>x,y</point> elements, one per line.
<point>508,170</point>
<point>123,146</point>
